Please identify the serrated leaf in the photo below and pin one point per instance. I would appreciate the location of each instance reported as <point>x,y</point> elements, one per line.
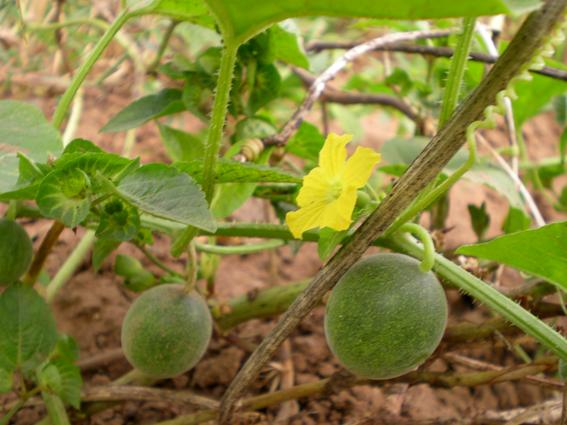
<point>538,252</point>
<point>229,171</point>
<point>70,382</point>
<point>165,192</point>
<point>166,102</point>
<point>27,328</point>
<point>180,145</point>
<point>23,128</point>
<point>64,195</point>
<point>81,146</point>
<point>49,378</point>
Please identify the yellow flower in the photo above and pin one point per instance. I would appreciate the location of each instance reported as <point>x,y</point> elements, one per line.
<point>328,194</point>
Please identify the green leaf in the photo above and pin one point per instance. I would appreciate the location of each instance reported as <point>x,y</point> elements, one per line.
<point>81,146</point>
<point>136,277</point>
<point>49,378</point>
<point>29,178</point>
<point>286,45</point>
<point>535,94</point>
<point>480,219</point>
<point>229,171</point>
<point>165,192</point>
<point>6,381</point>
<point>166,102</point>
<point>229,197</point>
<point>307,142</point>
<point>180,145</point>
<point>66,348</point>
<point>101,250</point>
<point>516,220</point>
<point>23,128</point>
<point>183,10</point>
<point>64,195</point>
<point>70,382</point>
<point>242,19</point>
<point>329,239</point>
<point>266,86</point>
<point>254,127</point>
<point>538,252</point>
<point>27,328</point>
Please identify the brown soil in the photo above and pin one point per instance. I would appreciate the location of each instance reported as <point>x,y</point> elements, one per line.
<point>91,307</point>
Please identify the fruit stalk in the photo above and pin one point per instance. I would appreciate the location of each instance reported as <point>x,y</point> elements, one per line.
<point>525,44</point>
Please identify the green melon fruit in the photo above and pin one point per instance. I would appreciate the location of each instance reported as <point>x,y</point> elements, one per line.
<point>16,251</point>
<point>166,331</point>
<point>385,317</point>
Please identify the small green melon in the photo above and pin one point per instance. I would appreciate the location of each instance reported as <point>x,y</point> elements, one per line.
<point>166,331</point>
<point>385,316</point>
<point>16,251</point>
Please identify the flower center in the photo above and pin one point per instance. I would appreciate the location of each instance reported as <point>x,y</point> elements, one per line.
<point>334,191</point>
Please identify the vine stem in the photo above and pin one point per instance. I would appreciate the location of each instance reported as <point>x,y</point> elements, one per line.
<point>532,35</point>
<point>70,266</point>
<point>450,101</point>
<point>67,98</point>
<point>218,116</point>
<point>239,249</point>
<point>457,71</point>
<point>214,136</point>
<point>428,258</point>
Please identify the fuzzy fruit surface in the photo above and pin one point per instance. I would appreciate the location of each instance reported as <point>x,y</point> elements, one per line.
<point>15,251</point>
<point>385,317</point>
<point>166,331</point>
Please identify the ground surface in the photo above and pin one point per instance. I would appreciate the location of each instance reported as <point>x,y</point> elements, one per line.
<point>91,307</point>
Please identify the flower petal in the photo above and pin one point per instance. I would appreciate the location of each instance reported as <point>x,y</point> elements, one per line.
<point>315,188</point>
<point>338,214</point>
<point>305,218</point>
<point>359,166</point>
<point>333,154</point>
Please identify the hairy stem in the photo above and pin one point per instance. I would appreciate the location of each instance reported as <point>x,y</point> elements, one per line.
<point>214,136</point>
<point>428,258</point>
<point>55,409</point>
<point>67,98</point>
<point>457,71</point>
<point>527,42</point>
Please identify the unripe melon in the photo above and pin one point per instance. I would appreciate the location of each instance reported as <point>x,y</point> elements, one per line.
<point>385,316</point>
<point>16,251</point>
<point>166,331</point>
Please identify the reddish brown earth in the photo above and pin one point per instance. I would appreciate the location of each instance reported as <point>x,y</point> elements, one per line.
<point>91,307</point>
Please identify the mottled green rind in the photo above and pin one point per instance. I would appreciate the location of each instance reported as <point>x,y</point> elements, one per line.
<point>166,331</point>
<point>15,251</point>
<point>385,317</point>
